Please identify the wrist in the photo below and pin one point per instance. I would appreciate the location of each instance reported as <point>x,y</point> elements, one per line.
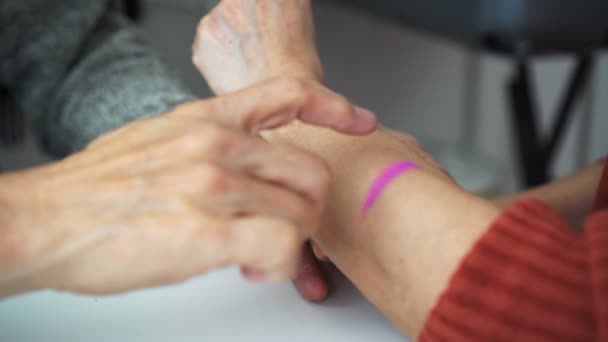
<point>307,67</point>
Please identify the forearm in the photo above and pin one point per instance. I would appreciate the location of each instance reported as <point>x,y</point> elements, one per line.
<point>16,245</point>
<point>403,253</point>
<point>572,196</point>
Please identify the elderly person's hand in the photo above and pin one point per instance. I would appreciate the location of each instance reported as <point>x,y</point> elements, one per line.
<point>174,196</point>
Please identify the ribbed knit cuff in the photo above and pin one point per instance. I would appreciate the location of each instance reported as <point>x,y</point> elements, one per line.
<point>601,199</point>
<point>527,279</point>
<point>597,240</point>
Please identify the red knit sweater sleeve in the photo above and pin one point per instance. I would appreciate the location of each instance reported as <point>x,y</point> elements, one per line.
<point>531,277</point>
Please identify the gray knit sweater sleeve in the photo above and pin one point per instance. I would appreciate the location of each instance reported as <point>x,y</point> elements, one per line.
<point>79,69</point>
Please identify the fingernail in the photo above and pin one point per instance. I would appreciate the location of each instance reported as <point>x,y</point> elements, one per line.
<point>365,120</point>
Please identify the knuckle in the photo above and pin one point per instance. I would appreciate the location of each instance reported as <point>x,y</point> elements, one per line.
<point>209,139</point>
<point>214,133</point>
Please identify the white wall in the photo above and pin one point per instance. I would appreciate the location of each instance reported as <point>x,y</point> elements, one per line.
<point>416,82</point>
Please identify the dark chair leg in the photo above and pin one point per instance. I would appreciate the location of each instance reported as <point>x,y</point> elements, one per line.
<point>526,128</point>
<point>536,153</point>
<point>578,84</point>
<point>133,9</point>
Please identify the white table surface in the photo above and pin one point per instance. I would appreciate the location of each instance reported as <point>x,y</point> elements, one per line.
<point>218,307</point>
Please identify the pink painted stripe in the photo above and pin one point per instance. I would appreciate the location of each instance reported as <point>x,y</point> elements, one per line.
<point>383,181</point>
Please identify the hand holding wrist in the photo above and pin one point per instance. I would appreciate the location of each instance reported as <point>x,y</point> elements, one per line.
<point>418,231</point>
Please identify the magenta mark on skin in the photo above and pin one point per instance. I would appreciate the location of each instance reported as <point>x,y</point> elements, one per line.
<point>383,181</point>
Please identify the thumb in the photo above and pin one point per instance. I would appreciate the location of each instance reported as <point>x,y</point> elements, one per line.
<point>277,102</point>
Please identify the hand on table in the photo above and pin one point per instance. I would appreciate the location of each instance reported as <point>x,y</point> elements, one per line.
<point>171,197</point>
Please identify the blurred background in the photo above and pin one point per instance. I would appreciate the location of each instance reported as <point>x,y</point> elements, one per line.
<point>441,91</point>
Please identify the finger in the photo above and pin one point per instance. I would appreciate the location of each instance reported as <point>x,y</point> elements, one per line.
<point>267,244</point>
<point>285,166</point>
<point>279,101</point>
<point>310,280</point>
<point>250,197</point>
<point>222,191</point>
